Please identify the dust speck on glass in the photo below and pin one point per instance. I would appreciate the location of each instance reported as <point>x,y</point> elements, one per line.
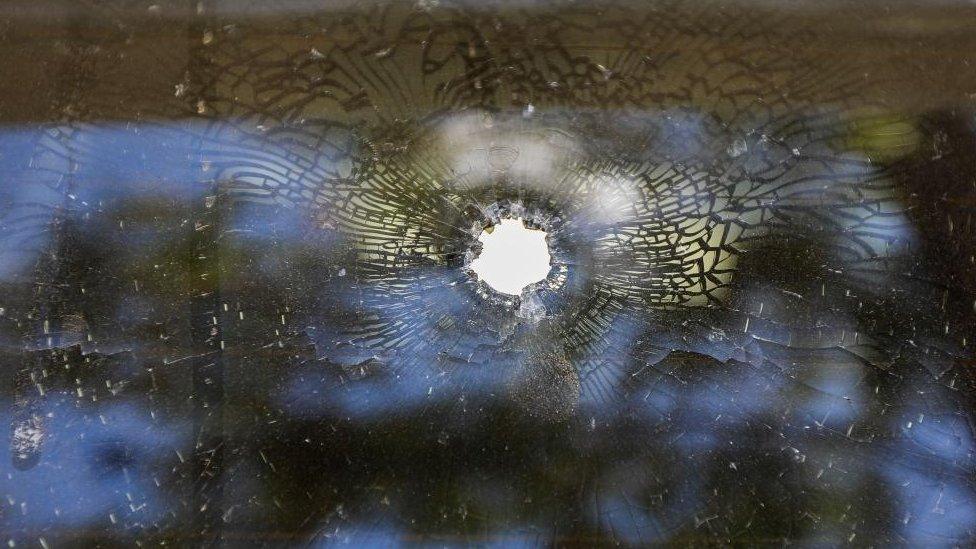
<point>244,296</point>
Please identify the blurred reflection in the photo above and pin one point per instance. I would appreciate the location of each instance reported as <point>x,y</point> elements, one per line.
<point>237,303</point>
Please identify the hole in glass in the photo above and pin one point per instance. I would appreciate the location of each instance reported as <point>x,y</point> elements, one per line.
<point>512,257</point>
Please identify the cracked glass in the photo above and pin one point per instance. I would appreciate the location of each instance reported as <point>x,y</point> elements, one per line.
<point>239,299</point>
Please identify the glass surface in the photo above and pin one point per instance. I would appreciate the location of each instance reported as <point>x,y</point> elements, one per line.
<point>237,304</point>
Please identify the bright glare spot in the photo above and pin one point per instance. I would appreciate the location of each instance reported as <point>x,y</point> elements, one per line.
<point>512,257</point>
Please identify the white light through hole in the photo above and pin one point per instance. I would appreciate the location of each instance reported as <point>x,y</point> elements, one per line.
<point>512,257</point>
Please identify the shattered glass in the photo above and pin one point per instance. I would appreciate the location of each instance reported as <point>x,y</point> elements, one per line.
<point>237,302</point>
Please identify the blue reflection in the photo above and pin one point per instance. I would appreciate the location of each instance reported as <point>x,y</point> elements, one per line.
<point>936,509</point>
<point>107,466</point>
<point>392,346</point>
<point>376,535</point>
